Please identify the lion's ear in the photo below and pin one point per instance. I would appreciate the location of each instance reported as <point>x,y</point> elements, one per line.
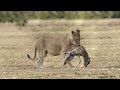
<point>73,33</point>
<point>78,31</point>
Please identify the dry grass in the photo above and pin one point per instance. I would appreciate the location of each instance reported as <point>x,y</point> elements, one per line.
<point>101,39</point>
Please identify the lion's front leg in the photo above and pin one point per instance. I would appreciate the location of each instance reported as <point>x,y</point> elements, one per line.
<point>62,56</point>
<point>62,53</point>
<point>79,60</point>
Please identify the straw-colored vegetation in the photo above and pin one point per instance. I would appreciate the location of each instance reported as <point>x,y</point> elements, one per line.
<point>101,38</point>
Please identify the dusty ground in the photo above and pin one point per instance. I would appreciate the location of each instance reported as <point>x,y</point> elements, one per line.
<point>101,40</point>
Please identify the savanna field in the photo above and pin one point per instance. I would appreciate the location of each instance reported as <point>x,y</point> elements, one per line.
<point>101,38</point>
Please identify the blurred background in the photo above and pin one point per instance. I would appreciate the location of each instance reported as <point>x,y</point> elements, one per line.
<point>21,17</point>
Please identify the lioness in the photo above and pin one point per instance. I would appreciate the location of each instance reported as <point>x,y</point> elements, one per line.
<point>55,45</point>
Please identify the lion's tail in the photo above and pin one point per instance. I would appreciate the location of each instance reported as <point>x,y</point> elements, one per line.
<point>34,55</point>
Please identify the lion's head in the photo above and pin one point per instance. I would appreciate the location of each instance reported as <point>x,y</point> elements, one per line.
<point>75,37</point>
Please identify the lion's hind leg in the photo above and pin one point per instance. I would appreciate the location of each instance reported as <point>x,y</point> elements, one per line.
<point>39,61</point>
